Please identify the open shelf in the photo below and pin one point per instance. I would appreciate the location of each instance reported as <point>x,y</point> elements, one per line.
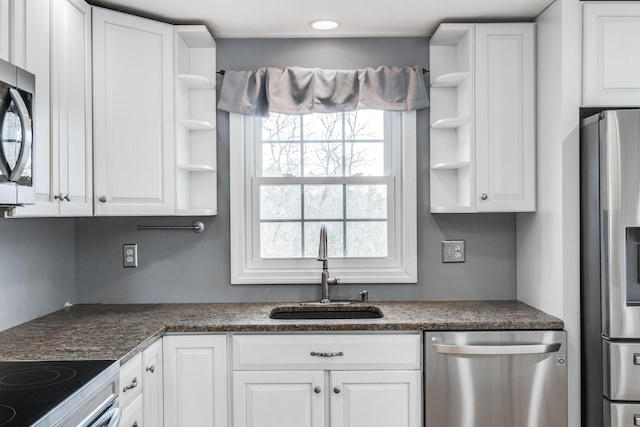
<point>196,124</point>
<point>450,79</point>
<point>450,165</point>
<point>195,74</point>
<point>450,123</point>
<point>197,168</point>
<point>194,81</point>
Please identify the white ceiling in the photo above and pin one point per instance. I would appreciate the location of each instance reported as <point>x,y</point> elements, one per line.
<point>359,18</point>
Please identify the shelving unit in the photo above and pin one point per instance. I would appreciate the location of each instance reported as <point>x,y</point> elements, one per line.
<point>196,177</point>
<point>482,138</point>
<point>452,146</point>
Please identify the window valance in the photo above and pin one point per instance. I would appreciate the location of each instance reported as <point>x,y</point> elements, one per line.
<point>296,90</point>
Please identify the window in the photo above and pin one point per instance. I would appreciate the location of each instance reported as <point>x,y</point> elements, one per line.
<point>354,172</point>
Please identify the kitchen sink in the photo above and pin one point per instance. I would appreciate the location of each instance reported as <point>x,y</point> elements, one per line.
<point>326,311</point>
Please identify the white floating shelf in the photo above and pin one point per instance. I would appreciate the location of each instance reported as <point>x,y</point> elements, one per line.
<point>197,212</point>
<point>197,168</point>
<point>450,80</point>
<point>450,165</point>
<point>193,81</point>
<point>196,124</point>
<point>450,123</point>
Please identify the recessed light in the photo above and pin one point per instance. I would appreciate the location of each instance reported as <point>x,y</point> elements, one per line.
<point>324,24</point>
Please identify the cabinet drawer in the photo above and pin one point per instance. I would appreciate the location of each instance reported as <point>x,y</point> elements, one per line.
<point>622,378</point>
<point>132,414</point>
<point>326,351</point>
<point>130,380</point>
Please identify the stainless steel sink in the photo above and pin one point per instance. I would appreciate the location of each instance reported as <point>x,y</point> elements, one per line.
<point>340,310</point>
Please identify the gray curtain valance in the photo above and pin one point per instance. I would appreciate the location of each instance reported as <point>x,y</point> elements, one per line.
<point>296,90</point>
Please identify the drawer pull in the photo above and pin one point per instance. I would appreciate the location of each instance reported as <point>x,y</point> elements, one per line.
<point>636,360</point>
<point>319,354</point>
<point>636,420</point>
<point>317,390</point>
<point>133,384</point>
<point>336,390</point>
<point>150,369</point>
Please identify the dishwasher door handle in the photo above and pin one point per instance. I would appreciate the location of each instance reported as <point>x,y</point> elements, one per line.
<point>496,349</point>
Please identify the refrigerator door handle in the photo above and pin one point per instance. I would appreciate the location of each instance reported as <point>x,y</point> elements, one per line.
<point>636,420</point>
<point>636,358</point>
<point>496,349</point>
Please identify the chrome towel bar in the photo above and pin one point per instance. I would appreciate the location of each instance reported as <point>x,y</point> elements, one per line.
<point>196,227</point>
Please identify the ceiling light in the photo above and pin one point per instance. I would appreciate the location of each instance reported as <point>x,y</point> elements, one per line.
<point>324,24</point>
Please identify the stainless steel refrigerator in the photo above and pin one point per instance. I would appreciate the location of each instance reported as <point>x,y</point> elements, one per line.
<point>610,268</point>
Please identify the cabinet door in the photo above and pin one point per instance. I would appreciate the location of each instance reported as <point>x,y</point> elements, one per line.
<point>152,399</point>
<point>133,115</point>
<point>132,415</point>
<point>34,22</point>
<point>4,30</point>
<point>505,117</point>
<point>72,124</point>
<point>611,66</point>
<point>376,399</point>
<point>282,398</point>
<point>195,380</point>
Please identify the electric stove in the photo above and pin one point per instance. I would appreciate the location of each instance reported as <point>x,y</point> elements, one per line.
<point>47,393</point>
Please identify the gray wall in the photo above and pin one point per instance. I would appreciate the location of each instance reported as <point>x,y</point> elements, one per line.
<point>37,268</point>
<point>179,266</point>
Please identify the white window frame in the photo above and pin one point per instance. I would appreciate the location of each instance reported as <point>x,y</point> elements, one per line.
<point>400,265</point>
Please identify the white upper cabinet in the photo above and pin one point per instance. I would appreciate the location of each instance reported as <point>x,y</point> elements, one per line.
<point>5,34</point>
<point>133,115</point>
<point>611,63</point>
<point>483,118</point>
<point>60,56</point>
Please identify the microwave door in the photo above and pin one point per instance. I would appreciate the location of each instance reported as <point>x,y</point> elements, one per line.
<point>27,135</point>
<point>5,104</point>
<point>16,135</point>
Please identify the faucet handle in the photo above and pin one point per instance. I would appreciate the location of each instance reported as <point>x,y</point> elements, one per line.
<point>333,281</point>
<point>364,296</point>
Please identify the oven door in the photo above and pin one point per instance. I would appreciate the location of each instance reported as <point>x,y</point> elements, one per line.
<point>109,418</point>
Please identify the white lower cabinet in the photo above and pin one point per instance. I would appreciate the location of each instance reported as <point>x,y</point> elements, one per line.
<point>141,388</point>
<point>303,380</point>
<point>279,398</point>
<point>375,398</point>
<point>152,379</point>
<point>195,380</point>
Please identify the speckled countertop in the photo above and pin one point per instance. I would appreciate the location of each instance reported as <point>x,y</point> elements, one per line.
<point>112,332</point>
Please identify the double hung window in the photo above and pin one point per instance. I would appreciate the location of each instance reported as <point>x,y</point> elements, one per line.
<point>352,171</point>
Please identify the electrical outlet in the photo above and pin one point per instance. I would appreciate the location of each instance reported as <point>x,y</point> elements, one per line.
<point>130,255</point>
<point>453,251</point>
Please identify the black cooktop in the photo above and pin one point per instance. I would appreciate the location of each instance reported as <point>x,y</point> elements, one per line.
<point>28,390</point>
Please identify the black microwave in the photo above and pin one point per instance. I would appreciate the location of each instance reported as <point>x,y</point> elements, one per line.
<point>17,101</point>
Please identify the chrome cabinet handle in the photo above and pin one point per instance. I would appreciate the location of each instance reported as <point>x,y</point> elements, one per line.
<point>319,354</point>
<point>336,390</point>
<point>67,197</point>
<point>133,384</point>
<point>636,361</point>
<point>496,349</point>
<point>484,196</point>
<point>317,390</point>
<point>150,369</point>
<point>103,199</point>
<point>135,424</point>
<point>58,197</point>
<point>27,133</point>
<point>636,420</point>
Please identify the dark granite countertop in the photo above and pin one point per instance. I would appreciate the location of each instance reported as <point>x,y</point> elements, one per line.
<point>119,331</point>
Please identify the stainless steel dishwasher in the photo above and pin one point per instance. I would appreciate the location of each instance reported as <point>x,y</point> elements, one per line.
<point>496,379</point>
